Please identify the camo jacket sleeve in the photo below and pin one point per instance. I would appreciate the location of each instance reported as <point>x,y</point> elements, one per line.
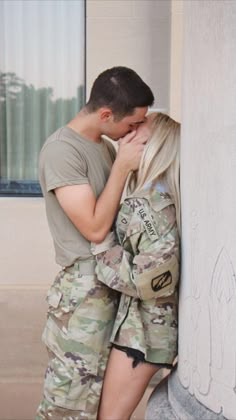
<point>145,261</point>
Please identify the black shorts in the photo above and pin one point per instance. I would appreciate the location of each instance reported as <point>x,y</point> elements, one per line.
<point>138,357</point>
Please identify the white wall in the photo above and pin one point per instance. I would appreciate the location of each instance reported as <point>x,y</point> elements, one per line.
<point>207,348</point>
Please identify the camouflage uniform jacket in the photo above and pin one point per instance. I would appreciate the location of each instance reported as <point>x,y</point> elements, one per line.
<point>144,266</point>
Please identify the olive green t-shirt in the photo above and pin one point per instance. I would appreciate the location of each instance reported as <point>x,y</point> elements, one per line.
<point>69,159</point>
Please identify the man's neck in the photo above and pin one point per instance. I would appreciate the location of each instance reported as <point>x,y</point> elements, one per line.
<point>86,125</point>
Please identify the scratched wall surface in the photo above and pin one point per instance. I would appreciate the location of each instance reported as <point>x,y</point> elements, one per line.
<point>207,347</point>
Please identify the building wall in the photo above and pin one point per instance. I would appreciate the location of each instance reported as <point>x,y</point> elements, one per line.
<point>26,270</point>
<point>176,59</point>
<point>132,33</point>
<point>207,345</point>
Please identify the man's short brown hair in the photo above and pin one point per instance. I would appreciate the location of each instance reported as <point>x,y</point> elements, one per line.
<point>122,90</point>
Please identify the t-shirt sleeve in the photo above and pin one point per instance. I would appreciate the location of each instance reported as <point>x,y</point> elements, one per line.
<point>61,164</point>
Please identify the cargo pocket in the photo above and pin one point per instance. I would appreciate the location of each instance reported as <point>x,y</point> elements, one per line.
<point>65,295</point>
<point>70,371</point>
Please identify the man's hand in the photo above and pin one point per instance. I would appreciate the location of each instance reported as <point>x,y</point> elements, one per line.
<point>93,218</point>
<point>130,151</point>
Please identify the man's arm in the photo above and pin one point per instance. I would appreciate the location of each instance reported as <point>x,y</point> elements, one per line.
<point>93,218</point>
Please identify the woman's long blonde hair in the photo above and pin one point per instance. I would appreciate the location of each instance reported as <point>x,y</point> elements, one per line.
<point>160,160</point>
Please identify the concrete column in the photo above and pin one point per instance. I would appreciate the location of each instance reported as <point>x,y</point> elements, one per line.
<point>204,385</point>
<point>176,53</point>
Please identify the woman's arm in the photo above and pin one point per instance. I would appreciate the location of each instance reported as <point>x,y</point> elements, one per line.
<point>154,269</point>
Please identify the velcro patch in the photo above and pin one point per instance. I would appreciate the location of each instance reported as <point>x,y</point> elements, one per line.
<point>161,281</point>
<point>148,223</point>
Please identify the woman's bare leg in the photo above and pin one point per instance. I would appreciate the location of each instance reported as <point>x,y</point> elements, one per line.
<point>123,386</point>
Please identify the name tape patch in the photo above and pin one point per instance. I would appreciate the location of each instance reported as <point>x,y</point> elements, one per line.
<point>148,223</point>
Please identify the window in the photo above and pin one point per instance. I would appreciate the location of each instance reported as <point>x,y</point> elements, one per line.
<point>42,83</point>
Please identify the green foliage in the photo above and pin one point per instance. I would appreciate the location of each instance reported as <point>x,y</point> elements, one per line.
<point>27,117</point>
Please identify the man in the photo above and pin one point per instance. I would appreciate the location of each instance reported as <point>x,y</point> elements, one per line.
<point>82,181</point>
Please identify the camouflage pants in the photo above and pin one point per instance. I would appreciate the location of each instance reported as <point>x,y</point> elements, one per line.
<point>80,320</point>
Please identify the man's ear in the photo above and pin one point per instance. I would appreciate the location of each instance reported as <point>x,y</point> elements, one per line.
<point>105,114</point>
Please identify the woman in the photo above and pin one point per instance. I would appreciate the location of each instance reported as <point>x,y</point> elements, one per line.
<point>141,260</point>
